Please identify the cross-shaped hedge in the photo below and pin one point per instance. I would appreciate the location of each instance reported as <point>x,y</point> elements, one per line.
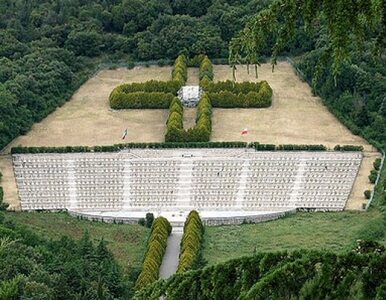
<point>162,94</point>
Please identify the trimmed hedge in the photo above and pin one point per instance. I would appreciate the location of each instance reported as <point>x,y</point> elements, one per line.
<point>256,99</point>
<point>191,243</point>
<point>287,147</point>
<point>174,126</point>
<point>348,148</point>
<point>151,86</point>
<point>180,70</point>
<point>231,86</point>
<point>206,70</point>
<point>156,247</point>
<point>199,133</point>
<point>167,145</point>
<point>119,147</point>
<point>151,94</point>
<point>142,100</point>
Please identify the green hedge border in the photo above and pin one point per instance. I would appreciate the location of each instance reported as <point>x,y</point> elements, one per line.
<point>175,145</point>
<point>156,247</point>
<point>161,95</point>
<point>191,243</point>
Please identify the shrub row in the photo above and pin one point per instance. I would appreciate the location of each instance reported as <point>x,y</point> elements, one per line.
<point>174,126</point>
<point>191,242</point>
<point>287,147</point>
<point>156,247</point>
<point>206,71</point>
<point>373,176</point>
<point>168,145</point>
<point>228,99</point>
<point>199,133</point>
<point>180,70</point>
<point>151,94</point>
<point>150,86</point>
<point>231,86</point>
<point>119,147</point>
<point>348,148</point>
<point>142,100</point>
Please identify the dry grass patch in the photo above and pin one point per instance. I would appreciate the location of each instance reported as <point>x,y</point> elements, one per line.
<point>295,117</point>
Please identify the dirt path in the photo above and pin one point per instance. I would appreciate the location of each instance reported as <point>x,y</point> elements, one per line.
<point>190,114</point>
<point>171,257</point>
<point>362,183</point>
<point>8,182</point>
<point>193,74</point>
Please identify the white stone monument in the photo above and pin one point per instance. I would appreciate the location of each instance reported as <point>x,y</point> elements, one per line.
<point>190,95</point>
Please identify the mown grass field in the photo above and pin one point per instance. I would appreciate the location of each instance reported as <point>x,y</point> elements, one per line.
<point>126,242</point>
<point>334,231</point>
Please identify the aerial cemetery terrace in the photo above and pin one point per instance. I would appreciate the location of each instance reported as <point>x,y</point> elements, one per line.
<point>276,115</point>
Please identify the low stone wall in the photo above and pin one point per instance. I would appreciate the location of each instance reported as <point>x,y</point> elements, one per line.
<point>212,221</point>
<point>237,220</point>
<point>105,219</point>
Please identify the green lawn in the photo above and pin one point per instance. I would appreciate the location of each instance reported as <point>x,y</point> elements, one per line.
<point>335,231</point>
<point>126,242</point>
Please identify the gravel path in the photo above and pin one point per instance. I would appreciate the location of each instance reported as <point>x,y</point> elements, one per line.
<point>170,261</point>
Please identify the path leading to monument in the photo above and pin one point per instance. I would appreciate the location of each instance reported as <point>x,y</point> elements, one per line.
<point>193,74</point>
<point>171,257</point>
<point>190,113</point>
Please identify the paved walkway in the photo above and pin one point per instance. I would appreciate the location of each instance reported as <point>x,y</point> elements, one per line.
<point>170,261</point>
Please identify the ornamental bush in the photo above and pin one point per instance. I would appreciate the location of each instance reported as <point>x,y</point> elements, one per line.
<point>373,176</point>
<point>199,133</point>
<point>156,247</point>
<point>140,100</point>
<point>255,99</point>
<point>348,148</point>
<point>206,69</point>
<point>377,164</point>
<point>151,86</point>
<point>191,243</point>
<point>180,70</point>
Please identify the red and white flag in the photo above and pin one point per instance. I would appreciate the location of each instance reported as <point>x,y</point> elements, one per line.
<point>245,131</point>
<point>124,134</point>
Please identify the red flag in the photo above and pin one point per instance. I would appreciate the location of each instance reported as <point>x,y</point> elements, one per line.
<point>245,131</point>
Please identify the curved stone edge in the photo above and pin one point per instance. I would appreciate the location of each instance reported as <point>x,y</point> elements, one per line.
<point>209,221</point>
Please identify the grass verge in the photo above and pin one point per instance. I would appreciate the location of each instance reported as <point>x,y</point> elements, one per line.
<point>334,231</point>
<point>126,242</point>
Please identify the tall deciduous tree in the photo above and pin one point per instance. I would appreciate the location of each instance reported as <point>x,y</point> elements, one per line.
<point>346,23</point>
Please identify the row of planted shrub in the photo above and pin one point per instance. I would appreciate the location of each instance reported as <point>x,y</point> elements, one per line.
<point>171,145</point>
<point>156,247</point>
<point>180,70</point>
<point>252,99</point>
<point>119,147</point>
<point>140,100</point>
<point>232,86</point>
<point>152,94</point>
<point>206,74</point>
<point>199,133</point>
<point>191,243</point>
<point>287,147</point>
<point>150,86</point>
<point>374,172</point>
